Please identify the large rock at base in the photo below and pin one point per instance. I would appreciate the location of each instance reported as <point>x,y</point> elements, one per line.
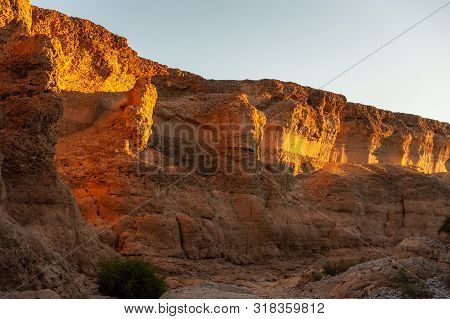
<point>423,247</point>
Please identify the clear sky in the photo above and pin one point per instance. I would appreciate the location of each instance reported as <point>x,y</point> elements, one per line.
<point>307,42</point>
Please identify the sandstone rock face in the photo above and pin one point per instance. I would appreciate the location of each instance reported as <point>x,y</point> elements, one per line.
<point>43,240</point>
<point>16,11</point>
<point>240,170</point>
<point>369,135</point>
<point>93,67</point>
<point>160,209</point>
<point>89,63</point>
<point>269,122</point>
<point>108,150</point>
<point>282,123</point>
<point>90,58</point>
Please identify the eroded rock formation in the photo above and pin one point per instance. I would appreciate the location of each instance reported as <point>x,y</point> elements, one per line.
<point>44,243</point>
<point>165,203</point>
<point>369,135</point>
<point>268,121</point>
<point>166,164</point>
<point>228,169</point>
<point>90,58</point>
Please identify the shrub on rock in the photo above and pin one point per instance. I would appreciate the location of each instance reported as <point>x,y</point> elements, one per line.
<point>411,287</point>
<point>130,279</point>
<point>333,268</point>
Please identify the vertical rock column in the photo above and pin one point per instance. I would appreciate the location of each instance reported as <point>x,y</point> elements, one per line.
<point>44,243</point>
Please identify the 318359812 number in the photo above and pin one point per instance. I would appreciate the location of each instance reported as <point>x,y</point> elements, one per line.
<point>289,307</point>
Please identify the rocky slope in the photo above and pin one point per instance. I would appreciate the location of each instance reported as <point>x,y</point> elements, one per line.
<point>416,268</point>
<point>169,166</point>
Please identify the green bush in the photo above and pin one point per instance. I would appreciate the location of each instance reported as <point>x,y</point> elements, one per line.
<point>411,287</point>
<point>130,279</point>
<point>333,268</point>
<point>445,227</point>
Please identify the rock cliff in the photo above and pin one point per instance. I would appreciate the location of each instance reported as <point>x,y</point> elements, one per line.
<point>303,125</point>
<point>369,135</point>
<point>250,190</point>
<point>90,58</point>
<point>234,168</point>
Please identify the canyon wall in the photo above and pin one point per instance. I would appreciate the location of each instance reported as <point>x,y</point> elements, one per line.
<point>235,169</point>
<point>219,180</point>
<point>268,122</point>
<point>298,126</point>
<point>165,163</point>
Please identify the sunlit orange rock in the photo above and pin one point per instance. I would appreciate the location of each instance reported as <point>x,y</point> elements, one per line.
<point>91,59</point>
<point>17,12</point>
<point>253,210</point>
<point>100,161</point>
<point>369,135</point>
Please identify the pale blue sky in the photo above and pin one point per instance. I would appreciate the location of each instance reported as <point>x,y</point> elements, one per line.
<point>307,42</point>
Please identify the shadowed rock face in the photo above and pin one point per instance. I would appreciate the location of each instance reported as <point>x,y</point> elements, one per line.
<point>164,163</point>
